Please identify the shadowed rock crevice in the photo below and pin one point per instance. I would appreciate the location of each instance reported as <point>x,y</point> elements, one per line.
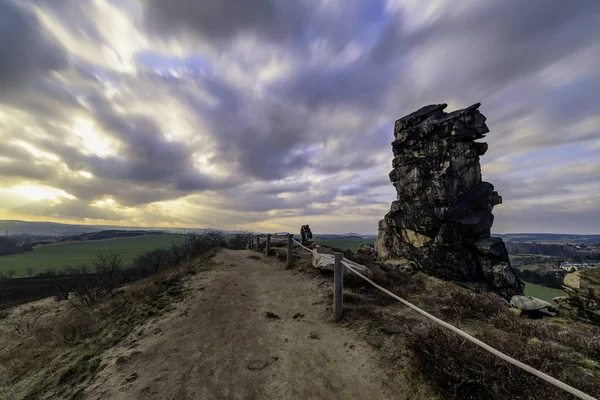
<point>442,217</point>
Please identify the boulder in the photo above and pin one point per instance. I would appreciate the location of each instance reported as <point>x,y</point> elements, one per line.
<point>366,250</point>
<point>582,295</point>
<point>318,261</point>
<point>529,303</point>
<point>442,216</point>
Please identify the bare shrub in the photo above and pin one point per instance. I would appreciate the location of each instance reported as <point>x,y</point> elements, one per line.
<point>91,290</point>
<point>153,261</point>
<point>403,284</point>
<point>239,240</point>
<point>109,267</point>
<point>194,245</point>
<point>87,293</point>
<point>463,304</point>
<point>177,251</point>
<point>214,238</point>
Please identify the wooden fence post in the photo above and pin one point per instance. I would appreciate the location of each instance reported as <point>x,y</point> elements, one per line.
<point>257,242</point>
<point>338,288</point>
<point>289,252</point>
<point>268,246</point>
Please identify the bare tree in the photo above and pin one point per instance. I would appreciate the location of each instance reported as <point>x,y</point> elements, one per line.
<point>177,252</point>
<point>109,266</point>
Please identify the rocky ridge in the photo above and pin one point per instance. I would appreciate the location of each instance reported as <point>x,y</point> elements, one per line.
<point>442,217</point>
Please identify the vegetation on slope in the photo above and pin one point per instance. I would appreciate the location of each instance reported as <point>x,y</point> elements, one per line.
<point>52,349</point>
<point>414,346</point>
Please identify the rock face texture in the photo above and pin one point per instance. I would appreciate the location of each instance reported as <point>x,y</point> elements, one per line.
<point>582,300</point>
<point>442,217</point>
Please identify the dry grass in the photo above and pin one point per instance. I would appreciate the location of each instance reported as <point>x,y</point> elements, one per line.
<point>58,352</point>
<point>453,368</point>
<point>461,370</point>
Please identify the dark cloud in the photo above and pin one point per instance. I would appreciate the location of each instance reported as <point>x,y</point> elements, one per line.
<point>26,50</point>
<point>295,23</point>
<point>228,18</point>
<point>351,68</point>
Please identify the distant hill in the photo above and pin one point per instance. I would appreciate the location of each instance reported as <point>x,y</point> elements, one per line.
<point>54,229</point>
<point>549,238</point>
<point>326,236</point>
<point>108,234</point>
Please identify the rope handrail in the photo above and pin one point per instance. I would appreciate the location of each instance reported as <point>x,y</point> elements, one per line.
<point>273,235</point>
<point>301,245</point>
<point>561,385</point>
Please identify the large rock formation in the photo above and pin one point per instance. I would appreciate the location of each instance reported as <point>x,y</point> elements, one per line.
<point>582,300</point>
<point>442,217</point>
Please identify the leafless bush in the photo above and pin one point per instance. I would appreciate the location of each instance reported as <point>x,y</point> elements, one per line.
<point>177,250</point>
<point>239,240</point>
<point>87,293</point>
<point>463,304</point>
<point>214,238</point>
<point>404,284</point>
<point>91,290</point>
<point>109,267</point>
<point>153,261</point>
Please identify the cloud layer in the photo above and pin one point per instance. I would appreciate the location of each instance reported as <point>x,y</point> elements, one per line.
<point>269,114</point>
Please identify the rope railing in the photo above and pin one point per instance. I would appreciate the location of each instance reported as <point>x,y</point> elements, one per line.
<point>350,265</point>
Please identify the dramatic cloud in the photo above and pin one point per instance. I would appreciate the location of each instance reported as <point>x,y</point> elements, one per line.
<point>269,114</point>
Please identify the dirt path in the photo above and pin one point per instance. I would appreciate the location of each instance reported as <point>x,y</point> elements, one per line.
<point>218,343</point>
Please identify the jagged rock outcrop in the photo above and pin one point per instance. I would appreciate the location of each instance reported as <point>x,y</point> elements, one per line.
<point>582,290</point>
<point>442,217</point>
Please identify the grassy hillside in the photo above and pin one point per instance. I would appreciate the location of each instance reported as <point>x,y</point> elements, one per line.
<point>58,256</point>
<point>344,244</point>
<point>542,292</point>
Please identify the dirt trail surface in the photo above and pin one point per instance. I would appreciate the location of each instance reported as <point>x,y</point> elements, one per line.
<point>222,342</point>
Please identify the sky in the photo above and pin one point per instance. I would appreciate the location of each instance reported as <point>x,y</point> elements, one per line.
<point>268,114</point>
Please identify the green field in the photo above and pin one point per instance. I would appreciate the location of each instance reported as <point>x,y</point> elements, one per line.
<point>542,292</point>
<point>344,244</point>
<point>58,256</point>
